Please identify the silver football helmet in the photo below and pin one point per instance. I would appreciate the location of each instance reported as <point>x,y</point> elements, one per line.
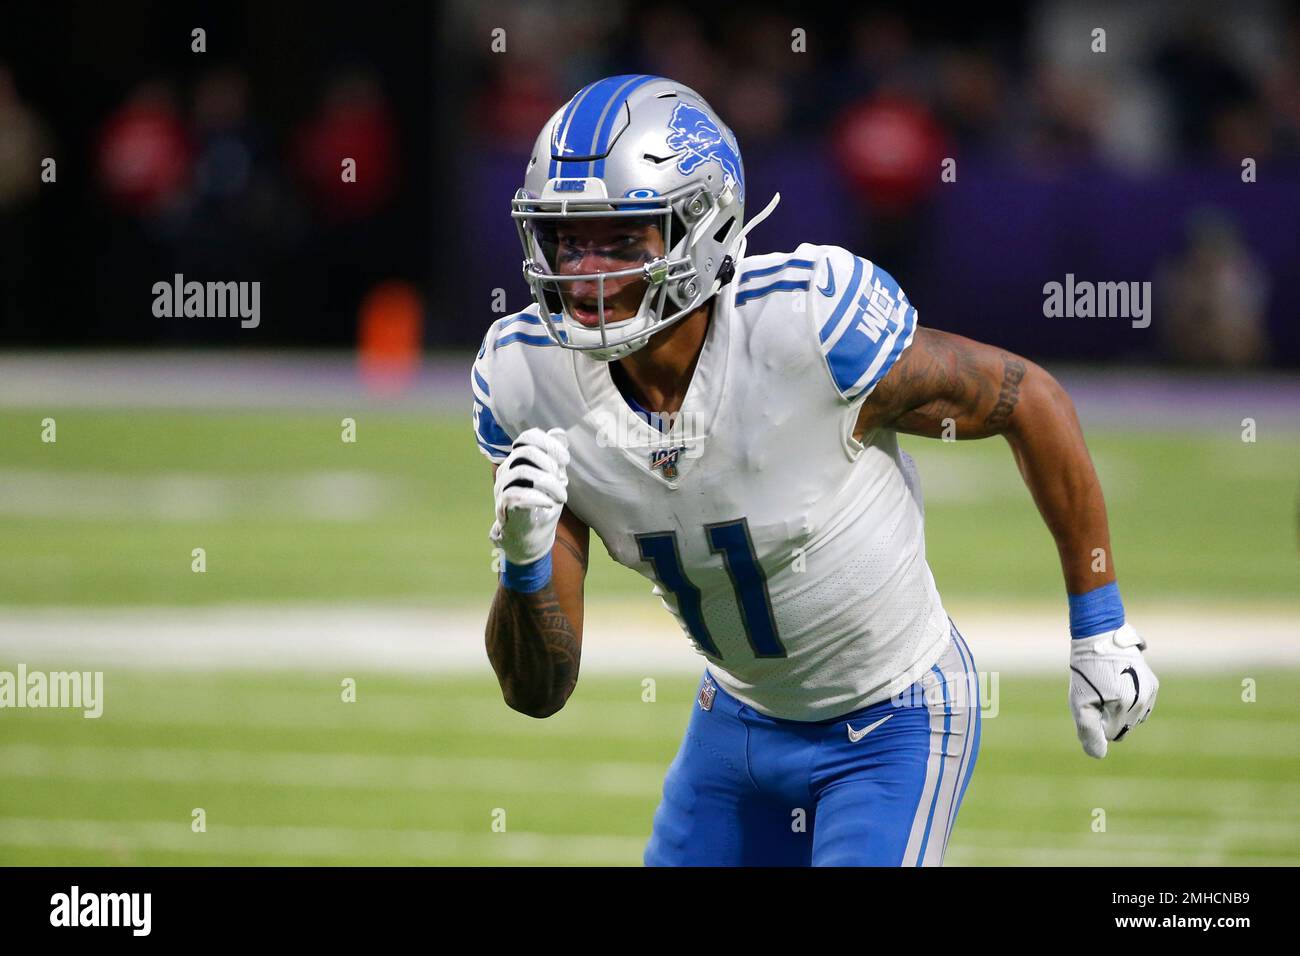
<point>634,146</point>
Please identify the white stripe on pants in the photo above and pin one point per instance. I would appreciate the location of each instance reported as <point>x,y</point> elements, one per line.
<point>951,691</point>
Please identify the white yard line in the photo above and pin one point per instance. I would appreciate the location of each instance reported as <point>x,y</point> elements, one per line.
<point>633,637</point>
<point>215,380</point>
<point>1135,398</point>
<point>90,495</point>
<point>419,716</point>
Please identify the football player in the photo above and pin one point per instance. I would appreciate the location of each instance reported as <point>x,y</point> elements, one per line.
<point>727,425</point>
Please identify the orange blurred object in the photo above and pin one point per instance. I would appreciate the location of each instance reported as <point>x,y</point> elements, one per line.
<point>390,331</point>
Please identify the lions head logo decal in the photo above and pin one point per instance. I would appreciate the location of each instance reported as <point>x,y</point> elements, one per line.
<point>702,142</point>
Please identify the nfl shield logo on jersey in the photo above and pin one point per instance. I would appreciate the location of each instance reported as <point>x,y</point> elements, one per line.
<point>707,693</point>
<point>665,461</point>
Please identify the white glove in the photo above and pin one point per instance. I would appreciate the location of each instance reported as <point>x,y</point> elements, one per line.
<point>1112,689</point>
<point>528,513</point>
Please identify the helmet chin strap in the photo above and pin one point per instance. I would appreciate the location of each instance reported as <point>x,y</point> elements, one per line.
<point>741,240</point>
<point>738,248</point>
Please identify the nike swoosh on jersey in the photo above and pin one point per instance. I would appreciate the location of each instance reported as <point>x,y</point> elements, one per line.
<point>830,281</point>
<point>856,735</point>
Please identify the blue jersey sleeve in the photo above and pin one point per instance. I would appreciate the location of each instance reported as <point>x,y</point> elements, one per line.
<point>863,321</point>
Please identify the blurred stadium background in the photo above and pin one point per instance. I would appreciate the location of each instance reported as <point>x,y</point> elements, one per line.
<point>369,560</point>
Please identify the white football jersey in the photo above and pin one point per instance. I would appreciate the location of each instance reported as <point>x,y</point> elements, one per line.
<point>792,555</point>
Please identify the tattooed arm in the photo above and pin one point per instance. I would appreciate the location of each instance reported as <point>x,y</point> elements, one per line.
<point>974,390</point>
<point>534,640</point>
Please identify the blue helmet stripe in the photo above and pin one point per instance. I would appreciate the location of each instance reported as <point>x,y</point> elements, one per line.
<point>611,115</point>
<point>604,119</point>
<point>565,124</point>
<point>557,136</point>
<point>589,120</point>
<point>579,135</point>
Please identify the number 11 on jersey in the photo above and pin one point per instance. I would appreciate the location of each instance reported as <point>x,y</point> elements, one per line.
<point>730,539</point>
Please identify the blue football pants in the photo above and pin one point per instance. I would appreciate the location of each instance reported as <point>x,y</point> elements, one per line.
<point>746,789</point>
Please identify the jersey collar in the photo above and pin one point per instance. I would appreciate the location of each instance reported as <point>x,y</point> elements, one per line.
<point>668,457</point>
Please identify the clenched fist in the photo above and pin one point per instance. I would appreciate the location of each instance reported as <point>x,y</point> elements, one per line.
<point>530,490</point>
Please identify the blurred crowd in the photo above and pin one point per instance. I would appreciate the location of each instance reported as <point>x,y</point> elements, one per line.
<point>1171,81</point>
<point>888,97</point>
<point>190,181</point>
<point>192,176</point>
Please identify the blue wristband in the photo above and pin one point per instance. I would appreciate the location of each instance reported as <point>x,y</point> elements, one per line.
<point>1096,612</point>
<point>527,578</point>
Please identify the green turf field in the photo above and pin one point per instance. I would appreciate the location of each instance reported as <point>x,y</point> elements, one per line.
<point>1191,517</point>
<point>414,770</point>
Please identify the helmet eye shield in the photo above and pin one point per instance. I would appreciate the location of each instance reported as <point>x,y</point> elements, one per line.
<point>629,246</point>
